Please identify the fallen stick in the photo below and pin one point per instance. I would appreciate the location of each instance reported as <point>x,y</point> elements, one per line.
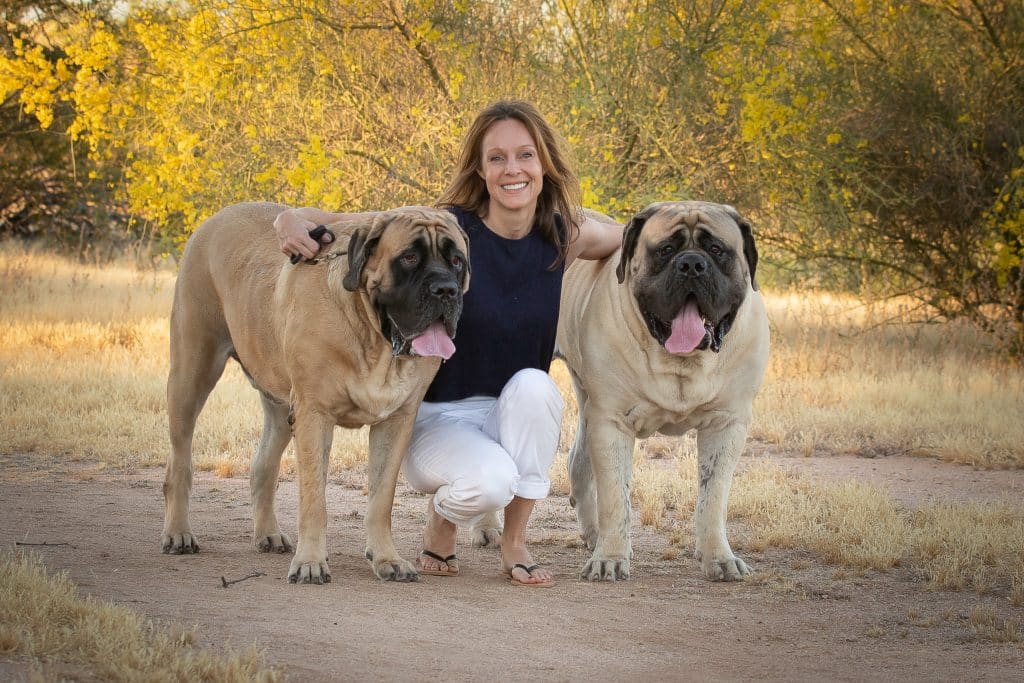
<point>43,543</point>
<point>225,583</point>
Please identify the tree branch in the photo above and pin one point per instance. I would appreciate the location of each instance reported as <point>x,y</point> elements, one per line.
<point>856,34</point>
<point>579,46</point>
<point>392,173</point>
<point>403,27</point>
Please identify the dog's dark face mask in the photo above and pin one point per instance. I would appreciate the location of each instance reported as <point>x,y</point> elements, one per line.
<point>689,279</point>
<point>418,293</point>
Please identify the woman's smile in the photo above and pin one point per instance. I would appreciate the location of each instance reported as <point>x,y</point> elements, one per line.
<point>512,171</point>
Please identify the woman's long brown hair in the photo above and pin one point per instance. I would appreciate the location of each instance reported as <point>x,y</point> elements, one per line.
<point>560,195</point>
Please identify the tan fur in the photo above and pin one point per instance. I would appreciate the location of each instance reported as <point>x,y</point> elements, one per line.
<point>315,352</point>
<point>628,386</point>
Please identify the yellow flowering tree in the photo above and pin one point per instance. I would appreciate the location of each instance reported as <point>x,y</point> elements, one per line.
<point>876,144</point>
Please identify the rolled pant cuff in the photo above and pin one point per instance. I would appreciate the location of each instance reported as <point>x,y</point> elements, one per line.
<point>533,490</point>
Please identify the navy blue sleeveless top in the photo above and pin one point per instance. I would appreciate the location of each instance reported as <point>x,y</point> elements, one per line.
<point>509,315</point>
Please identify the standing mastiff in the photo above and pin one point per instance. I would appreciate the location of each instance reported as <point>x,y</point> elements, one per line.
<point>351,340</point>
<point>674,338</point>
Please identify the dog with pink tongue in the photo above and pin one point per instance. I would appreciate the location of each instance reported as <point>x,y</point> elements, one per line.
<point>351,338</point>
<point>666,336</point>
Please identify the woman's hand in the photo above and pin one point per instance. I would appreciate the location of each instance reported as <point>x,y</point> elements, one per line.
<point>292,227</point>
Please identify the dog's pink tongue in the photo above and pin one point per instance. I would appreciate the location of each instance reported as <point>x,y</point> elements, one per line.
<point>687,330</point>
<point>434,342</point>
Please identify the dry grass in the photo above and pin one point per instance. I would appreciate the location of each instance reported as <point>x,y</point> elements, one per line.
<point>83,362</point>
<point>855,378</point>
<point>988,625</point>
<point>83,371</point>
<point>43,621</point>
<point>851,524</point>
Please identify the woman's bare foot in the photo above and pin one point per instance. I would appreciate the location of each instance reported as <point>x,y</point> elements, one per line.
<point>520,567</point>
<point>513,547</point>
<point>439,535</point>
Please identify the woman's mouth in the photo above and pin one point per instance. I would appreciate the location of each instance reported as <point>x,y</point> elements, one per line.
<point>514,187</point>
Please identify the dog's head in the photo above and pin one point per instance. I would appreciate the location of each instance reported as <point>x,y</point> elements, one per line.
<point>413,263</point>
<point>689,265</point>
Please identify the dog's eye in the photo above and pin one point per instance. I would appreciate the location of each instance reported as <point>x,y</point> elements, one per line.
<point>456,262</point>
<point>410,259</point>
<point>715,250</point>
<point>666,250</point>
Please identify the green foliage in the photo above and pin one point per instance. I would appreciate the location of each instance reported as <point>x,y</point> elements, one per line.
<point>877,145</point>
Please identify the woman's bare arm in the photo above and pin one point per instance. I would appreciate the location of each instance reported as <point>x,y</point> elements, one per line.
<point>597,239</point>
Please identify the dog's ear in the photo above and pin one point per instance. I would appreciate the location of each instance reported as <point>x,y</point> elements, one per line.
<point>630,237</point>
<point>360,247</point>
<point>749,248</point>
<point>468,269</point>
<point>450,247</point>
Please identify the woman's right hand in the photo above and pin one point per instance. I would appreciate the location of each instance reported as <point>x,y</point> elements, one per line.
<point>292,228</point>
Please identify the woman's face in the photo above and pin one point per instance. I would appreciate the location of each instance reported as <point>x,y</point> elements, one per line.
<point>510,166</point>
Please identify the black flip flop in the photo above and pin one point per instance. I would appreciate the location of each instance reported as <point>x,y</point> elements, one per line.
<point>529,570</point>
<point>438,572</point>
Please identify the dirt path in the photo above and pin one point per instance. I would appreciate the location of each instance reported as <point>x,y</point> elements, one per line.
<point>796,622</point>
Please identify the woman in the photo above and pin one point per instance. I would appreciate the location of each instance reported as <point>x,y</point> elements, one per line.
<point>488,430</point>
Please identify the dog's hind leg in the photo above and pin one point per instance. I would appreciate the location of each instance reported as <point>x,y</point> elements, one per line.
<point>263,478</point>
<point>198,356</point>
<point>486,531</point>
<point>581,476</point>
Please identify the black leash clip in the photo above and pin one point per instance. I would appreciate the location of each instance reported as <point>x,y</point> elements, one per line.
<point>316,233</point>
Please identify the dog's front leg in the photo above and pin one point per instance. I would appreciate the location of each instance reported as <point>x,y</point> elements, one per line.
<point>611,459</point>
<point>313,433</point>
<point>389,441</point>
<point>718,451</point>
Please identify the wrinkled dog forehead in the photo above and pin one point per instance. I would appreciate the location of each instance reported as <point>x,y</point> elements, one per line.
<point>670,217</point>
<point>431,224</point>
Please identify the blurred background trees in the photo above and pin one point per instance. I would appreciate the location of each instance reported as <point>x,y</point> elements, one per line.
<point>877,146</point>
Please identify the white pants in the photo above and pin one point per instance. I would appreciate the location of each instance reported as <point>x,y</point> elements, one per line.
<point>475,454</point>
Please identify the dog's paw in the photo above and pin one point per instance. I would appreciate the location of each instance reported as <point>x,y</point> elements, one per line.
<point>316,572</point>
<point>486,532</point>
<point>601,568</point>
<point>486,538</point>
<point>180,544</point>
<point>725,567</point>
<point>395,570</point>
<point>273,543</point>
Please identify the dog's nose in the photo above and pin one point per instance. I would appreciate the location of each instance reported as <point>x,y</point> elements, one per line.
<point>443,289</point>
<point>691,264</point>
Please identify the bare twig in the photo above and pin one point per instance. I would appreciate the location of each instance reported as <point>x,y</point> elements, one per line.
<point>225,583</point>
<point>422,49</point>
<point>390,169</point>
<point>46,543</point>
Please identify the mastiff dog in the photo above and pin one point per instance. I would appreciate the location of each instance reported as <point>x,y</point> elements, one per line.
<point>672,337</point>
<point>350,339</point>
